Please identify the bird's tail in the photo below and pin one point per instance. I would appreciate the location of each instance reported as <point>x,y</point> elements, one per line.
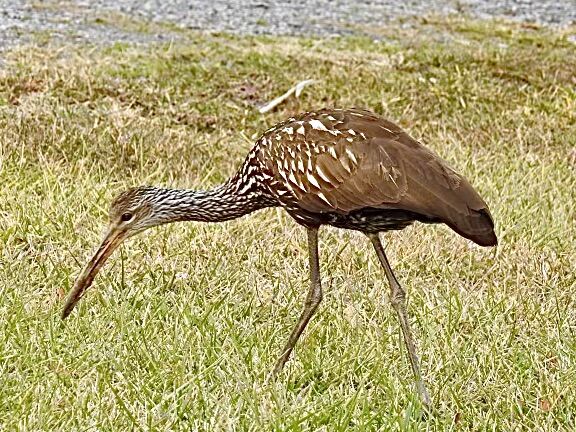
<point>478,227</point>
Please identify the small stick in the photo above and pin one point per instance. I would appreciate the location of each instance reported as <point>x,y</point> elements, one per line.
<point>297,90</point>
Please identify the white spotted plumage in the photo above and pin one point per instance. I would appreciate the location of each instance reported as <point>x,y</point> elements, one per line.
<point>333,162</point>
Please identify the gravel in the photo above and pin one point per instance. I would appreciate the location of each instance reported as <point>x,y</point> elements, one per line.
<point>76,20</point>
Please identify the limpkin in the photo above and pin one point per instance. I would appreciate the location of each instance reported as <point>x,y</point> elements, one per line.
<point>348,168</point>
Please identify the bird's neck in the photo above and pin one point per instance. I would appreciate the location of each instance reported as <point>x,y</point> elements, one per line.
<point>225,202</point>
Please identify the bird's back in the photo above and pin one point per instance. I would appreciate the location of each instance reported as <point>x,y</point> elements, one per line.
<point>353,162</point>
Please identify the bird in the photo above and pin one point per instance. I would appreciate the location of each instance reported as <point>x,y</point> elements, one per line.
<point>346,168</point>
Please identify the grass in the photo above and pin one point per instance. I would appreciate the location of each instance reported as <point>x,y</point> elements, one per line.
<point>183,325</point>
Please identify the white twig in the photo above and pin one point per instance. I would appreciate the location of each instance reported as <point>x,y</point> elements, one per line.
<point>297,90</point>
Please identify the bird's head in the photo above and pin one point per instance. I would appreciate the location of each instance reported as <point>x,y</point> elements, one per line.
<point>135,210</point>
<point>130,213</point>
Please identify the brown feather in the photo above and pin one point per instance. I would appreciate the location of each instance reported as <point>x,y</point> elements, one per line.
<point>361,161</point>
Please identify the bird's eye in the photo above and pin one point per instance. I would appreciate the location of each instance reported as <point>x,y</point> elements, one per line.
<point>126,217</point>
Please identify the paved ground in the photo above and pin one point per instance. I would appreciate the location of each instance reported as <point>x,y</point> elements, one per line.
<point>22,20</point>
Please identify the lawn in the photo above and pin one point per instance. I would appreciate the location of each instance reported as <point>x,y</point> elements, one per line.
<point>183,325</point>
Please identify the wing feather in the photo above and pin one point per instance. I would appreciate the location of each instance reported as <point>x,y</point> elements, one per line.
<point>372,163</point>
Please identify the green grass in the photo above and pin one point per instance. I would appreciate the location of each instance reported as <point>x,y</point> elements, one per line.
<point>183,325</point>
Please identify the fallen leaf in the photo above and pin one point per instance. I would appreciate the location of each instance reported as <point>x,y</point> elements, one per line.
<point>60,293</point>
<point>247,91</point>
<point>457,417</point>
<point>544,405</point>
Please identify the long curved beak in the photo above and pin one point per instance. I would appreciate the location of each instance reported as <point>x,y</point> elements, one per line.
<point>111,241</point>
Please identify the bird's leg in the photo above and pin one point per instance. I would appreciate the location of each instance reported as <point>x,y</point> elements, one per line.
<point>312,300</point>
<point>398,300</point>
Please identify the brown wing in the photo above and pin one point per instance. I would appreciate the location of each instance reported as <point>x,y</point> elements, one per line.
<point>346,160</point>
